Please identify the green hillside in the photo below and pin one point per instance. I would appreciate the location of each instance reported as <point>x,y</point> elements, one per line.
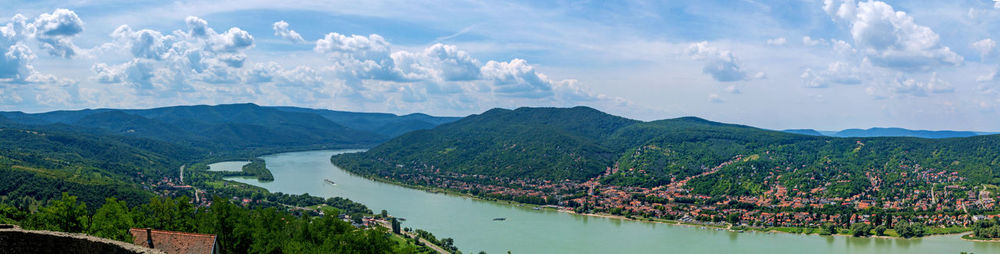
<point>544,143</point>
<point>581,143</point>
<point>41,164</point>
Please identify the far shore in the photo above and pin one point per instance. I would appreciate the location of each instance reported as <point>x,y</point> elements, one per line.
<point>619,217</point>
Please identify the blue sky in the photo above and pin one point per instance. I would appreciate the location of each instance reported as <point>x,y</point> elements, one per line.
<point>826,64</point>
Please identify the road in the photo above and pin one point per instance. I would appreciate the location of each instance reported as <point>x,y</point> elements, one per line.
<point>412,235</point>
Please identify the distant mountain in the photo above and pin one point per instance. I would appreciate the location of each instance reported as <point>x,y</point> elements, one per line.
<point>889,132</point>
<point>810,132</point>
<point>900,132</point>
<point>236,126</point>
<point>385,124</point>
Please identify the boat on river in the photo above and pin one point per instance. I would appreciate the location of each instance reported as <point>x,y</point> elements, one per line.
<point>499,219</point>
<point>328,181</point>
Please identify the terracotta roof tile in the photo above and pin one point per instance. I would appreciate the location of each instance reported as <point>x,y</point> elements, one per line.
<point>175,242</point>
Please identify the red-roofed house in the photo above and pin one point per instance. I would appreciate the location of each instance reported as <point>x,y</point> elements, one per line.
<point>175,242</point>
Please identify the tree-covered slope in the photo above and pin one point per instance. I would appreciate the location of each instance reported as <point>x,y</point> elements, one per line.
<point>546,143</point>
<point>851,166</point>
<point>658,151</point>
<point>41,163</point>
<point>581,143</point>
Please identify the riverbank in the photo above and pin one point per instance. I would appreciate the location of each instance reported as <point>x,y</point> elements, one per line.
<point>787,230</point>
<point>969,237</point>
<point>469,221</point>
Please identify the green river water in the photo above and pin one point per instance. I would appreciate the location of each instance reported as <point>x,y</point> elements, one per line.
<point>470,221</point>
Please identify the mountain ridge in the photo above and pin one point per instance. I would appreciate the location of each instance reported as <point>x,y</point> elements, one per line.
<point>244,126</point>
<point>889,132</point>
<point>576,144</point>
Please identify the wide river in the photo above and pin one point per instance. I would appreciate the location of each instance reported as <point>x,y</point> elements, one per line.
<point>470,221</point>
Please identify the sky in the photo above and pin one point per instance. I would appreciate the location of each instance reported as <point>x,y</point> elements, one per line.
<point>820,64</point>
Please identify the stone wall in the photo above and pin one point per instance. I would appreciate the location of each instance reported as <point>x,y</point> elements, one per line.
<point>16,240</point>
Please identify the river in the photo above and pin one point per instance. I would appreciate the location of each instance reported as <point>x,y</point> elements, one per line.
<point>470,221</point>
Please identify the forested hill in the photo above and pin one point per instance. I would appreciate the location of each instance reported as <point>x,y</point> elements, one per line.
<point>235,127</point>
<point>546,143</point>
<point>581,143</point>
<point>38,165</point>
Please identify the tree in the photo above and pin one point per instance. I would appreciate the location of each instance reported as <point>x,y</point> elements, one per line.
<point>880,230</point>
<point>64,215</point>
<point>10,214</point>
<point>861,229</point>
<point>733,218</point>
<point>385,214</point>
<point>268,231</point>
<point>174,214</point>
<point>112,220</point>
<point>448,243</point>
<point>828,229</point>
<point>907,230</point>
<point>395,225</point>
<point>227,221</point>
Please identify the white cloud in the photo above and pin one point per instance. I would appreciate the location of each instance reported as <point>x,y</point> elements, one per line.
<point>919,88</point>
<point>15,55</point>
<point>836,73</point>
<point>517,79</point>
<point>809,41</point>
<point>891,38</point>
<point>780,41</point>
<point>984,47</point>
<point>55,30</point>
<point>842,47</point>
<point>989,77</point>
<point>281,30</point>
<point>996,4</point>
<point>365,57</point>
<point>714,98</point>
<point>108,74</point>
<point>733,90</point>
<point>233,40</point>
<point>173,62</point>
<point>144,43</point>
<point>721,64</point>
<point>14,64</point>
<point>439,61</point>
<point>198,27</point>
<point>362,71</point>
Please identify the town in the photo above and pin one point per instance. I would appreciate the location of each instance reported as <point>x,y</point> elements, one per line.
<point>947,205</point>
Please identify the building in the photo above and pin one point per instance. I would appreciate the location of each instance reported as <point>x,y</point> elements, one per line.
<point>175,242</point>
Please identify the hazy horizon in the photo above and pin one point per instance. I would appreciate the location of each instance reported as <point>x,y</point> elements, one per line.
<point>820,129</point>
<point>829,65</point>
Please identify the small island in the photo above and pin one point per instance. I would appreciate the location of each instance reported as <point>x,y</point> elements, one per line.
<point>258,168</point>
